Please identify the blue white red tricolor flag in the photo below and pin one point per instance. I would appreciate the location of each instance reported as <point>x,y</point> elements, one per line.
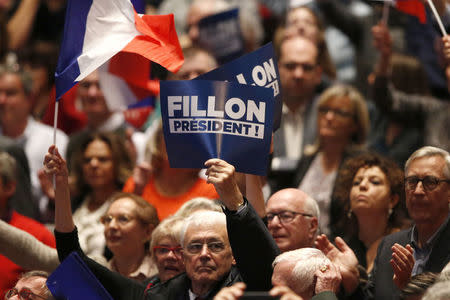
<point>97,30</point>
<point>414,8</point>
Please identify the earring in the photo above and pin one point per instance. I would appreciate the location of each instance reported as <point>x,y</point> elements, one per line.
<point>349,213</point>
<point>390,212</point>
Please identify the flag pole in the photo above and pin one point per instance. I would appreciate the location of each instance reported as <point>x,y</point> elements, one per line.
<point>438,18</point>
<point>385,16</point>
<point>55,121</point>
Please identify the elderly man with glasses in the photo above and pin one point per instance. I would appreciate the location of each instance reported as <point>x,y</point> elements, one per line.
<point>30,286</point>
<point>292,219</point>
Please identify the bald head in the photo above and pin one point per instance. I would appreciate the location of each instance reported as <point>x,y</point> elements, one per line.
<point>292,219</point>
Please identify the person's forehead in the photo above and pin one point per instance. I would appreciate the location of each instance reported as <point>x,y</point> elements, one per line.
<point>34,283</point>
<point>91,78</point>
<point>285,201</point>
<point>298,48</point>
<point>205,232</point>
<point>122,206</point>
<point>11,79</point>
<point>427,166</point>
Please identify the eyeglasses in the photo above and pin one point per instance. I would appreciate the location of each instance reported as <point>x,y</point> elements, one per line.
<point>164,250</point>
<point>337,112</point>
<point>429,182</point>
<point>122,220</point>
<point>286,216</point>
<point>195,248</point>
<point>24,294</point>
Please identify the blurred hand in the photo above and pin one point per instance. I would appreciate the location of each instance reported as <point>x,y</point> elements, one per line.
<point>328,279</point>
<point>221,174</point>
<point>141,175</point>
<point>284,293</point>
<point>344,258</point>
<point>382,39</point>
<point>46,184</point>
<point>233,292</point>
<point>55,165</point>
<point>402,263</point>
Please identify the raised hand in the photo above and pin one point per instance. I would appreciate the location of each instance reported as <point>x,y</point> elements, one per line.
<point>233,292</point>
<point>343,257</point>
<point>328,279</point>
<point>221,174</point>
<point>402,263</point>
<point>54,164</point>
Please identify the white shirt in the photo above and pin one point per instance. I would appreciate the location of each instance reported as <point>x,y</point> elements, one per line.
<point>35,141</point>
<point>293,131</point>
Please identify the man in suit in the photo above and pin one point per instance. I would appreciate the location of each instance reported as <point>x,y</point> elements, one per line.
<point>422,248</point>
<point>300,76</point>
<point>427,187</point>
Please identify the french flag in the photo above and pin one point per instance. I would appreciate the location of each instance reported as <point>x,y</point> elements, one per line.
<point>110,36</point>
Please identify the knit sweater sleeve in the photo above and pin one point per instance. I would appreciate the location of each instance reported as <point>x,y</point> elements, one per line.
<point>25,250</point>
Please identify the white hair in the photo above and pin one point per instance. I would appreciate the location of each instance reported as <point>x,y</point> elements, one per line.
<point>445,274</point>
<point>311,207</point>
<point>202,218</point>
<point>429,151</point>
<point>196,204</point>
<point>438,291</point>
<point>307,261</point>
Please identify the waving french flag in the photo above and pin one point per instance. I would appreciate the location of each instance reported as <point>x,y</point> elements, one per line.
<point>97,30</point>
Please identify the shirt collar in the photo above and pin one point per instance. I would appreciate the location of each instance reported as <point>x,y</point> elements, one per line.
<point>431,240</point>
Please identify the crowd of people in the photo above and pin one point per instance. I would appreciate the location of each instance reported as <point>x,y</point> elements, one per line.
<point>355,203</point>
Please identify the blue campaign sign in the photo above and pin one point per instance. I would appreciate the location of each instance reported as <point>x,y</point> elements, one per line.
<point>258,68</point>
<point>205,119</point>
<point>221,34</point>
<point>74,280</point>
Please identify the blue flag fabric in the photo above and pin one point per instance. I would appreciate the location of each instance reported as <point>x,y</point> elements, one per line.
<point>205,119</point>
<point>258,68</point>
<point>73,280</point>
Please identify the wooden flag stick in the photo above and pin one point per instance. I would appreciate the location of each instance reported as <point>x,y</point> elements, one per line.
<point>438,18</point>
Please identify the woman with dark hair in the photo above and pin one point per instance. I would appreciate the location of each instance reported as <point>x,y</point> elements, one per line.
<point>370,188</point>
<point>99,169</point>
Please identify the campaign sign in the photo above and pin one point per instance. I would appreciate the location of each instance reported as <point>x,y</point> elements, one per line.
<point>258,68</point>
<point>221,34</point>
<point>205,119</point>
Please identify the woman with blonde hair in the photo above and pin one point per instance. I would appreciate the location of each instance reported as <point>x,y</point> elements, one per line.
<point>343,125</point>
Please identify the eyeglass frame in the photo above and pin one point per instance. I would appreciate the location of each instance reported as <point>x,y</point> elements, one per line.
<point>269,219</point>
<point>17,292</point>
<point>425,185</point>
<point>171,249</point>
<point>188,250</point>
<point>337,112</point>
<point>111,218</point>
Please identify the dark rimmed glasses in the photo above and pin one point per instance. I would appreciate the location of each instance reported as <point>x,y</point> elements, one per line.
<point>24,294</point>
<point>429,183</point>
<point>286,216</point>
<point>164,250</point>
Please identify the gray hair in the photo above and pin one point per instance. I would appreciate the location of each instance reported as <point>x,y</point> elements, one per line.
<point>25,76</point>
<point>8,168</point>
<point>38,273</point>
<point>429,151</point>
<point>202,217</point>
<point>170,228</point>
<point>307,262</point>
<point>438,291</point>
<point>445,274</point>
<point>311,207</point>
<point>196,204</point>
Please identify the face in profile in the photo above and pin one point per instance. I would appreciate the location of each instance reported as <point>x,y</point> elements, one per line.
<point>98,165</point>
<point>124,230</point>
